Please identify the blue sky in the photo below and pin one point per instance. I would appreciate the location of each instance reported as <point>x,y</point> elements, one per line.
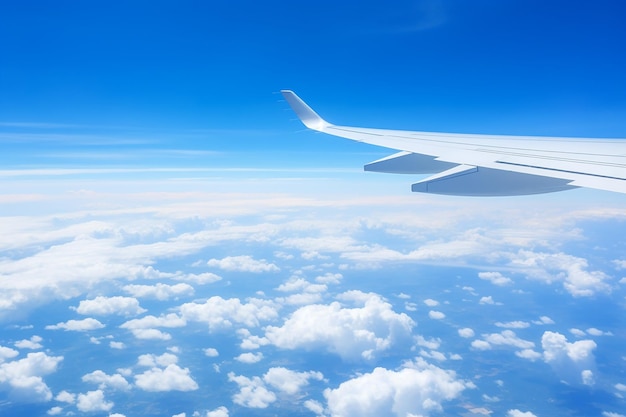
<point>203,75</point>
<point>174,242</point>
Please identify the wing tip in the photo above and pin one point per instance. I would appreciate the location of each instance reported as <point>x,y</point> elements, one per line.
<point>306,114</point>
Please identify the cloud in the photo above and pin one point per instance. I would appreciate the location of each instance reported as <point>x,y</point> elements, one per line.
<point>65,397</point>
<point>32,343</point>
<point>252,392</point>
<point>54,411</point>
<point>466,332</point>
<point>211,352</point>
<point>172,378</point>
<point>144,328</point>
<point>159,291</point>
<point>218,412</point>
<point>77,325</point>
<point>418,389</point>
<point>104,381</point>
<point>24,377</point>
<point>436,315</point>
<point>430,302</point>
<point>358,332</point>
<point>93,401</point>
<point>528,354</point>
<point>288,381</point>
<point>518,413</point>
<point>151,360</point>
<point>495,278</point>
<point>573,362</point>
<point>543,320</point>
<point>513,324</point>
<point>571,270</point>
<point>102,306</point>
<point>249,357</point>
<point>219,313</point>
<point>243,263</point>
<point>116,345</point>
<point>487,300</point>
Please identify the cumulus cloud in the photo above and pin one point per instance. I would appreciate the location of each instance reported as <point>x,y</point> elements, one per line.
<point>430,302</point>
<point>104,381</point>
<point>466,332</point>
<point>495,278</point>
<point>243,263</point>
<point>418,389</point>
<point>358,332</point>
<point>102,306</point>
<point>252,392</point>
<point>517,413</point>
<point>571,270</point>
<point>211,352</point>
<point>573,362</point>
<point>93,401</point>
<point>171,378</point>
<point>32,343</point>
<point>144,328</point>
<point>288,381</point>
<point>543,320</point>
<point>218,312</point>
<point>65,397</point>
<point>77,325</point>
<point>151,360</point>
<point>486,300</point>
<point>249,357</point>
<point>218,412</point>
<point>436,315</point>
<point>24,377</point>
<point>513,324</point>
<point>159,291</point>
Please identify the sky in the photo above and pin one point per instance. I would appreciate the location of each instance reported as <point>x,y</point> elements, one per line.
<point>174,242</point>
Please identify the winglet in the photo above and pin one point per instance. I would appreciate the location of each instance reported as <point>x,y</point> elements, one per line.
<point>306,114</point>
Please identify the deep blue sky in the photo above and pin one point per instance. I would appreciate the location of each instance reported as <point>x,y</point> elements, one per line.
<point>512,67</point>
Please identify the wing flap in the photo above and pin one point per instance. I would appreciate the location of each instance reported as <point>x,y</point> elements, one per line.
<point>408,163</point>
<point>487,182</point>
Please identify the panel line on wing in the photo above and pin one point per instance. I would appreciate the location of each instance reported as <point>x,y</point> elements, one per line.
<point>562,170</point>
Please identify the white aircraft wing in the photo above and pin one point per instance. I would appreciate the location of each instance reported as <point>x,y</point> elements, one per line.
<point>486,165</point>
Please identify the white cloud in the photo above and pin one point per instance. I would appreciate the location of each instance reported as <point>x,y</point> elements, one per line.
<point>54,411</point>
<point>518,413</point>
<point>513,324</point>
<point>587,377</point>
<point>528,354</point>
<point>329,278</point>
<point>24,377</point>
<point>495,278</point>
<point>466,332</point>
<point>211,352</point>
<point>65,397</point>
<point>569,360</point>
<point>597,332</point>
<point>77,325</point>
<point>93,401</point>
<point>418,389</point>
<point>432,343</point>
<point>252,392</point>
<point>219,313</point>
<point>611,414</point>
<point>314,406</point>
<point>486,300</point>
<point>360,332</point>
<point>218,412</point>
<point>201,279</point>
<point>151,360</point>
<point>571,270</point>
<point>102,306</point>
<point>159,291</point>
<point>543,320</point>
<point>577,332</point>
<point>169,320</point>
<point>32,343</point>
<point>436,315</point>
<point>249,357</point>
<point>288,381</point>
<point>430,302</point>
<point>151,334</point>
<point>243,263</point>
<point>507,338</point>
<point>172,378</point>
<point>104,381</point>
<point>116,345</point>
<point>481,345</point>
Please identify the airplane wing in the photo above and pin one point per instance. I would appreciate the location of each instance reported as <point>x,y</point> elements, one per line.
<point>486,165</point>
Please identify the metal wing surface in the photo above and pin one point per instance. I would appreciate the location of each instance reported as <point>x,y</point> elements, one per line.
<point>486,165</point>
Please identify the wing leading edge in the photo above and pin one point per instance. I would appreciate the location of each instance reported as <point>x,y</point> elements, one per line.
<point>486,165</point>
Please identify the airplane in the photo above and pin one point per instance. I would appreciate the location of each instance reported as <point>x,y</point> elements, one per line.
<point>485,165</point>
